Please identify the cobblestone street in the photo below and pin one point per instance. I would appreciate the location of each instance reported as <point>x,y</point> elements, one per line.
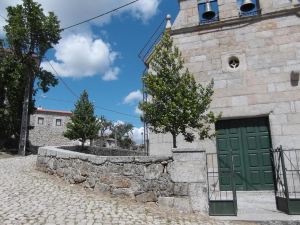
<point>28,196</point>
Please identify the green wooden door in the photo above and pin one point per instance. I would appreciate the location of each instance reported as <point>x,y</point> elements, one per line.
<point>248,142</point>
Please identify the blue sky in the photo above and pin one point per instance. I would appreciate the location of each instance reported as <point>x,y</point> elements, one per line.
<point>101,56</point>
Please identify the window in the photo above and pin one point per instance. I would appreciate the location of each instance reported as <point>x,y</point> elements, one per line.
<point>234,62</point>
<point>248,7</point>
<point>40,120</point>
<point>208,11</point>
<point>58,122</point>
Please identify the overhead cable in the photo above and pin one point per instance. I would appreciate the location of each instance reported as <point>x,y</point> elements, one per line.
<point>98,16</point>
<point>75,95</point>
<point>102,108</point>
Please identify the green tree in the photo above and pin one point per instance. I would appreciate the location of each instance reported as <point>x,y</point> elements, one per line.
<point>177,104</point>
<point>105,125</point>
<point>30,34</point>
<point>121,132</point>
<point>84,125</point>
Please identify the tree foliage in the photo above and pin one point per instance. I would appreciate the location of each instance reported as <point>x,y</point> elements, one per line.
<point>178,104</point>
<point>84,125</point>
<point>122,132</point>
<point>105,125</point>
<point>30,34</point>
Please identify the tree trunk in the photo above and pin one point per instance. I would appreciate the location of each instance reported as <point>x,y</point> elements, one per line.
<point>174,140</point>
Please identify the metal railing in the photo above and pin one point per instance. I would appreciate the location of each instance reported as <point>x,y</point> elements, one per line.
<point>286,167</point>
<point>222,198</point>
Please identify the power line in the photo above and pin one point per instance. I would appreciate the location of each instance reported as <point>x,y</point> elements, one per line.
<point>64,83</point>
<point>103,14</point>
<point>3,17</point>
<point>75,95</point>
<point>102,108</point>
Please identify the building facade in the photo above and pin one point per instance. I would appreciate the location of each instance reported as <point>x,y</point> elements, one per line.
<point>254,59</point>
<point>48,127</point>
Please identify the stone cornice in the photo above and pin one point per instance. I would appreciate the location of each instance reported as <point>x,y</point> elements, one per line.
<point>238,21</point>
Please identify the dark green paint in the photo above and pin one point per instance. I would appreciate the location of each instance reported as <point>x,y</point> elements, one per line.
<point>222,208</point>
<point>249,140</point>
<point>288,206</point>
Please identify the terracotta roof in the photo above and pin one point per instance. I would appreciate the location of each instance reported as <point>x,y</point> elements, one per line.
<point>54,112</point>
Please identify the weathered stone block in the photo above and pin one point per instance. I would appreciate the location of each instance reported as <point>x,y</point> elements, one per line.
<point>182,204</point>
<point>40,161</point>
<point>91,182</point>
<point>133,169</point>
<point>146,197</point>
<point>42,151</point>
<point>60,172</point>
<point>199,203</point>
<point>52,164</point>
<point>102,187</point>
<point>121,159</point>
<point>121,182</point>
<point>181,189</point>
<point>187,171</point>
<point>153,171</point>
<point>79,179</point>
<point>188,154</point>
<point>166,201</point>
<point>98,160</point>
<point>127,192</point>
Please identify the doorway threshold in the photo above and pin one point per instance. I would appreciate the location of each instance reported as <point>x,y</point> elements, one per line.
<point>260,207</point>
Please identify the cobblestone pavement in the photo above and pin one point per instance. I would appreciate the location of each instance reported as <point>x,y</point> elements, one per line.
<point>28,196</point>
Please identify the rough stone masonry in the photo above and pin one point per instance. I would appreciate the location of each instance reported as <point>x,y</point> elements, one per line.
<point>178,181</point>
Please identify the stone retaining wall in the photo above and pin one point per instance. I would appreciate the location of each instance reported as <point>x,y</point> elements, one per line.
<point>178,181</point>
<point>102,151</point>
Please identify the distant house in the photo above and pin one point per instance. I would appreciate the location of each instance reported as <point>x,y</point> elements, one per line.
<point>106,142</point>
<point>48,127</point>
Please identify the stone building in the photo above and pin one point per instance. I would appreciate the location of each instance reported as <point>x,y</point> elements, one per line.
<point>48,127</point>
<point>254,58</point>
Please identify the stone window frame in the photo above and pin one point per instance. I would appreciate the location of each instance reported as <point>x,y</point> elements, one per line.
<point>234,62</point>
<point>225,62</point>
<point>56,122</point>
<point>42,119</point>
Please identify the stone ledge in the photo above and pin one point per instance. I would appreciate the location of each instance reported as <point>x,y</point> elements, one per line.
<point>53,151</point>
<point>187,150</point>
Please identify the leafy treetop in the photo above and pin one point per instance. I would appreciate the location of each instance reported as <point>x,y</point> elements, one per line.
<point>177,103</point>
<point>84,124</point>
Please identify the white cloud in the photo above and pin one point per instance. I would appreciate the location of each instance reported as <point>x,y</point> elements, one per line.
<point>137,132</point>
<point>138,111</point>
<point>73,11</point>
<point>111,74</point>
<point>82,56</point>
<point>137,135</point>
<point>85,55</point>
<point>145,9</point>
<point>133,97</point>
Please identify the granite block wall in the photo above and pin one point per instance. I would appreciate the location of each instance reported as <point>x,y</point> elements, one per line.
<point>262,85</point>
<point>178,181</point>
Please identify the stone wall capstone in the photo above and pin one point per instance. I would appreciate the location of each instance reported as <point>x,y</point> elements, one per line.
<point>178,181</point>
<point>103,151</point>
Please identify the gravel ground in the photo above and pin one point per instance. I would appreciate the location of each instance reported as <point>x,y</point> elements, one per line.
<point>28,196</point>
